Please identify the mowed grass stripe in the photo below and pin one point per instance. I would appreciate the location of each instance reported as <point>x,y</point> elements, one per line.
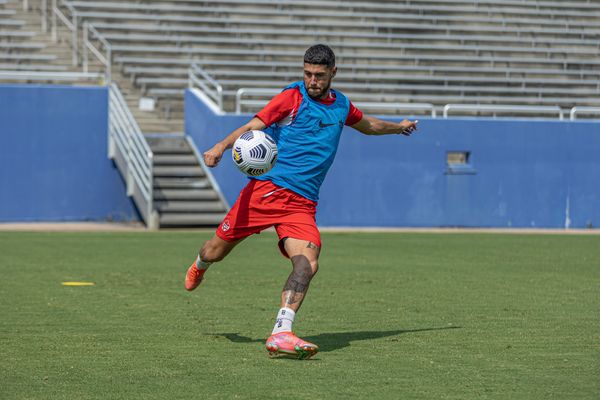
<point>397,315</point>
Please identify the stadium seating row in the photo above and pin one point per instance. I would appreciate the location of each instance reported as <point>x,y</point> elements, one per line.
<point>421,37</point>
<point>367,13</point>
<point>434,51</point>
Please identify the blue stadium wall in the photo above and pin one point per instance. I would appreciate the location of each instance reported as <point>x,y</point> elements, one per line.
<point>53,156</point>
<point>521,173</point>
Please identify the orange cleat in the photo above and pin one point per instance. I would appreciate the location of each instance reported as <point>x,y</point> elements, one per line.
<point>193,277</point>
<point>290,345</point>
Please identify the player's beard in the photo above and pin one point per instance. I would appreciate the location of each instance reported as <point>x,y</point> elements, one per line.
<point>322,93</point>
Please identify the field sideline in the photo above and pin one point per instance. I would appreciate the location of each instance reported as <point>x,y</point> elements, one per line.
<point>397,315</point>
<point>139,227</point>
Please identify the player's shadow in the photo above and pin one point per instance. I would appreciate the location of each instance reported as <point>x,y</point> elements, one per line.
<point>337,340</point>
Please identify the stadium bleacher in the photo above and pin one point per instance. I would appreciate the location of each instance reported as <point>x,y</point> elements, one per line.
<point>27,54</point>
<point>17,47</point>
<point>407,57</point>
<point>487,52</point>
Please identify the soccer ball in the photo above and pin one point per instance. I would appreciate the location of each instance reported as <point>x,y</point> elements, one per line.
<point>254,153</point>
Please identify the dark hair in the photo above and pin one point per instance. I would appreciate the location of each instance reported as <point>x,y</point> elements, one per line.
<point>320,54</point>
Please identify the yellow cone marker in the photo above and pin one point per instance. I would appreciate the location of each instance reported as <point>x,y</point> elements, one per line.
<point>78,283</point>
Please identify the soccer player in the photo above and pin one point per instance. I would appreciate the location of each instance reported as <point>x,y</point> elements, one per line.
<point>307,119</point>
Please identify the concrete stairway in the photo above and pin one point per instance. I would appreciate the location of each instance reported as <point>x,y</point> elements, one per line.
<point>183,193</point>
<point>155,121</point>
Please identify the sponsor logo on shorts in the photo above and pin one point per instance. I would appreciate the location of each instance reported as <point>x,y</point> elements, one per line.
<point>225,225</point>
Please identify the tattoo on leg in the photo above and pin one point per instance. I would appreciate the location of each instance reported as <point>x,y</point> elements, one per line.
<point>311,245</point>
<point>297,284</point>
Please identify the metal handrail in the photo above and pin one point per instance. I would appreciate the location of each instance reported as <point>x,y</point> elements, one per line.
<point>44,15</point>
<point>239,102</point>
<point>253,92</point>
<point>126,136</point>
<point>207,172</point>
<point>43,12</point>
<point>56,12</point>
<point>105,59</point>
<point>399,106</point>
<point>71,26</point>
<point>583,110</point>
<point>209,86</point>
<point>502,108</point>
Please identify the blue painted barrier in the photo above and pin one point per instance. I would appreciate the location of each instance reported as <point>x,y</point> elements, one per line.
<point>53,156</point>
<point>521,173</point>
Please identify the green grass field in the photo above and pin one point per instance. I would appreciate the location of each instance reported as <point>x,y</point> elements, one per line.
<point>397,316</point>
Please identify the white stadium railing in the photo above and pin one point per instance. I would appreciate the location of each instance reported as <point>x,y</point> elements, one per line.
<point>43,8</point>
<point>398,107</point>
<point>71,25</point>
<point>504,108</point>
<point>240,102</point>
<point>89,31</point>
<point>197,77</point>
<point>583,110</point>
<point>132,154</point>
<point>207,172</point>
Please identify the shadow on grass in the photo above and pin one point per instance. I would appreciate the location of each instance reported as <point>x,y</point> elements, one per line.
<point>338,340</point>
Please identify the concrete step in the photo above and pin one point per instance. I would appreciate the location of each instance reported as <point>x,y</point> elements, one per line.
<point>197,194</point>
<point>159,127</point>
<point>178,171</point>
<point>166,183</point>
<point>150,117</point>
<point>169,145</point>
<point>175,159</point>
<point>162,128</point>
<point>189,206</point>
<point>190,219</point>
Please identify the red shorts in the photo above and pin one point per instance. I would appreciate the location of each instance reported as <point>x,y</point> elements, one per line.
<point>261,205</point>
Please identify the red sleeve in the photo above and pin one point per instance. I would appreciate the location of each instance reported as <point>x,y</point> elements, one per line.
<point>354,116</point>
<point>283,106</point>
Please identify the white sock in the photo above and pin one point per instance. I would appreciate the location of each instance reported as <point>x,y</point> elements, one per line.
<point>283,323</point>
<point>202,264</point>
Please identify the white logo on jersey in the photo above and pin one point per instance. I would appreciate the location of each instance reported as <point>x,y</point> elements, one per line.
<point>287,120</point>
<point>225,225</point>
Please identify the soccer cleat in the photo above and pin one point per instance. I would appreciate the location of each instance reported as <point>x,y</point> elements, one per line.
<point>288,344</point>
<point>193,277</point>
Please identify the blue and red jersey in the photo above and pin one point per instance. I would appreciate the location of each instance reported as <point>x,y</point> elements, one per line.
<point>307,132</point>
<point>283,108</point>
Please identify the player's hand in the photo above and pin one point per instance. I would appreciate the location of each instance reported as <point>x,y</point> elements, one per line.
<point>213,156</point>
<point>408,127</point>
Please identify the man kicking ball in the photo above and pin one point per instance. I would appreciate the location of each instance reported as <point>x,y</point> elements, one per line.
<point>307,119</point>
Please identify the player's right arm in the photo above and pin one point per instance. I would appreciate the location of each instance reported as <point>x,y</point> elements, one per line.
<point>213,156</point>
<point>281,106</point>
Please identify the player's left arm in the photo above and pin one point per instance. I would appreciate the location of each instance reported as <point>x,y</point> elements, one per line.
<point>375,126</point>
